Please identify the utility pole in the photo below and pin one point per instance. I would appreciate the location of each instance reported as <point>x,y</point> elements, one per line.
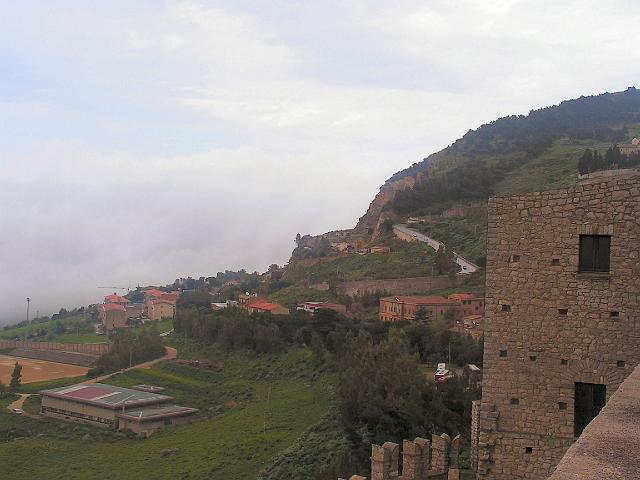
<point>28,302</point>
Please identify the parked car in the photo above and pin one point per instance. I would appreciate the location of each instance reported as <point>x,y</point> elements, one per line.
<point>17,411</point>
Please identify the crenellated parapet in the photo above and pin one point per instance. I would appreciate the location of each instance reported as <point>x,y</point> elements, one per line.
<point>421,460</point>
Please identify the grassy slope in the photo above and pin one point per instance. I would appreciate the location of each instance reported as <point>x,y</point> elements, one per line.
<point>279,399</point>
<point>405,260</point>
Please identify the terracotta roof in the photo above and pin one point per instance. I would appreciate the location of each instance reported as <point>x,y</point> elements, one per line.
<point>111,307</point>
<point>153,292</point>
<point>156,301</point>
<point>462,296</point>
<point>170,296</point>
<point>267,306</point>
<point>471,318</point>
<point>419,300</point>
<point>115,299</point>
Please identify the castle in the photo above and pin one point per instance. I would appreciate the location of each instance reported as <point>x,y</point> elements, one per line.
<point>561,329</point>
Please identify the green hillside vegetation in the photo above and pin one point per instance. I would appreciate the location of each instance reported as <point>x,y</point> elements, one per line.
<point>278,398</point>
<point>404,260</point>
<point>467,238</point>
<point>64,328</point>
<point>520,153</point>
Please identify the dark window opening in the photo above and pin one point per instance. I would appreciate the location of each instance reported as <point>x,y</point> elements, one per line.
<point>562,405</point>
<point>563,311</point>
<point>505,308</point>
<point>555,262</point>
<point>595,252</point>
<point>564,361</point>
<point>620,363</point>
<point>514,258</point>
<point>589,400</point>
<point>503,353</point>
<point>614,314</point>
<point>533,358</point>
<point>514,401</point>
<point>528,449</point>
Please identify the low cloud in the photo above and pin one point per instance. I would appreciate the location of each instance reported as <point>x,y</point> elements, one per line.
<point>143,142</point>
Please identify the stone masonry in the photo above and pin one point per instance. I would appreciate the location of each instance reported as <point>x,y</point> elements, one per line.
<point>548,325</point>
<point>421,460</point>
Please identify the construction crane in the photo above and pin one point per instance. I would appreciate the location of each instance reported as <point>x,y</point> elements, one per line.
<point>128,289</point>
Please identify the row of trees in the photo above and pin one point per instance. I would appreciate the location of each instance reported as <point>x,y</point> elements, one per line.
<point>14,384</point>
<point>382,392</point>
<point>593,161</point>
<point>130,347</point>
<point>383,395</point>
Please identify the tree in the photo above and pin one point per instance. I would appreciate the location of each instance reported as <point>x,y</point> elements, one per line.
<point>16,375</point>
<point>421,314</point>
<point>3,390</point>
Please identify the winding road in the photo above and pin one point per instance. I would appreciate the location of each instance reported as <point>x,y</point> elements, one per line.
<point>466,267</point>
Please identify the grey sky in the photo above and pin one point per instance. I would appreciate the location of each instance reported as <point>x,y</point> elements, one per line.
<point>144,141</point>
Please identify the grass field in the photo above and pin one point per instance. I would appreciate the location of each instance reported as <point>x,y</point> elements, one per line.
<point>278,399</point>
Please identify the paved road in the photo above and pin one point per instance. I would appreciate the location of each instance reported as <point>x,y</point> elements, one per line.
<point>466,267</point>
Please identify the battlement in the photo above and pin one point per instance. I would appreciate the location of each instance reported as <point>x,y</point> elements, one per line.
<point>421,460</point>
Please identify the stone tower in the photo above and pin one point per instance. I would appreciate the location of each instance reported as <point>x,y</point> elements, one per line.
<point>562,320</point>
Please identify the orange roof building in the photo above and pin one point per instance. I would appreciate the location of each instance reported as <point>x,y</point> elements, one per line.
<point>267,307</point>
<point>116,299</point>
<point>394,309</point>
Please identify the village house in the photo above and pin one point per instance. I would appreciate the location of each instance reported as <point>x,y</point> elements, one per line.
<point>470,304</point>
<point>630,148</point>
<point>313,307</point>
<point>267,307</point>
<point>117,299</point>
<point>395,309</point>
<point>245,299</point>
<point>160,309</point>
<point>117,408</point>
<point>112,316</point>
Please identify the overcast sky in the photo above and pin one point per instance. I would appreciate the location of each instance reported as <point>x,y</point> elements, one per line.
<point>144,141</point>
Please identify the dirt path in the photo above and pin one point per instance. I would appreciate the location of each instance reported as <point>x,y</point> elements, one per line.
<point>172,353</point>
<point>19,402</point>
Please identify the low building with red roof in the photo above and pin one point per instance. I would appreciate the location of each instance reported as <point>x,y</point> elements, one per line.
<point>267,307</point>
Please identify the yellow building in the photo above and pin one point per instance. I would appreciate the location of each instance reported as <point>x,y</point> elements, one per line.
<point>158,309</point>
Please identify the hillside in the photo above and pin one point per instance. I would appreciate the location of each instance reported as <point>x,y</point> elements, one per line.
<point>514,154</point>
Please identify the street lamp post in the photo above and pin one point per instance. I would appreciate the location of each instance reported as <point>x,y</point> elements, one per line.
<point>28,302</point>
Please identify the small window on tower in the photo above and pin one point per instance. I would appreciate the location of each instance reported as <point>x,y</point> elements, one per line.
<point>505,308</point>
<point>533,358</point>
<point>621,363</point>
<point>528,450</point>
<point>595,253</point>
<point>514,401</point>
<point>514,259</point>
<point>614,314</point>
<point>563,312</point>
<point>562,405</point>
<point>555,262</point>
<point>564,361</point>
<point>503,353</point>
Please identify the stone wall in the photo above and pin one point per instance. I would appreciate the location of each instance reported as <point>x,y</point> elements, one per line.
<point>88,348</point>
<point>400,286</point>
<point>421,460</point>
<point>547,325</point>
<point>608,448</point>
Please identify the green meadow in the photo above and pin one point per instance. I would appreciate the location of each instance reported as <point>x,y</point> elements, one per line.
<point>253,411</point>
